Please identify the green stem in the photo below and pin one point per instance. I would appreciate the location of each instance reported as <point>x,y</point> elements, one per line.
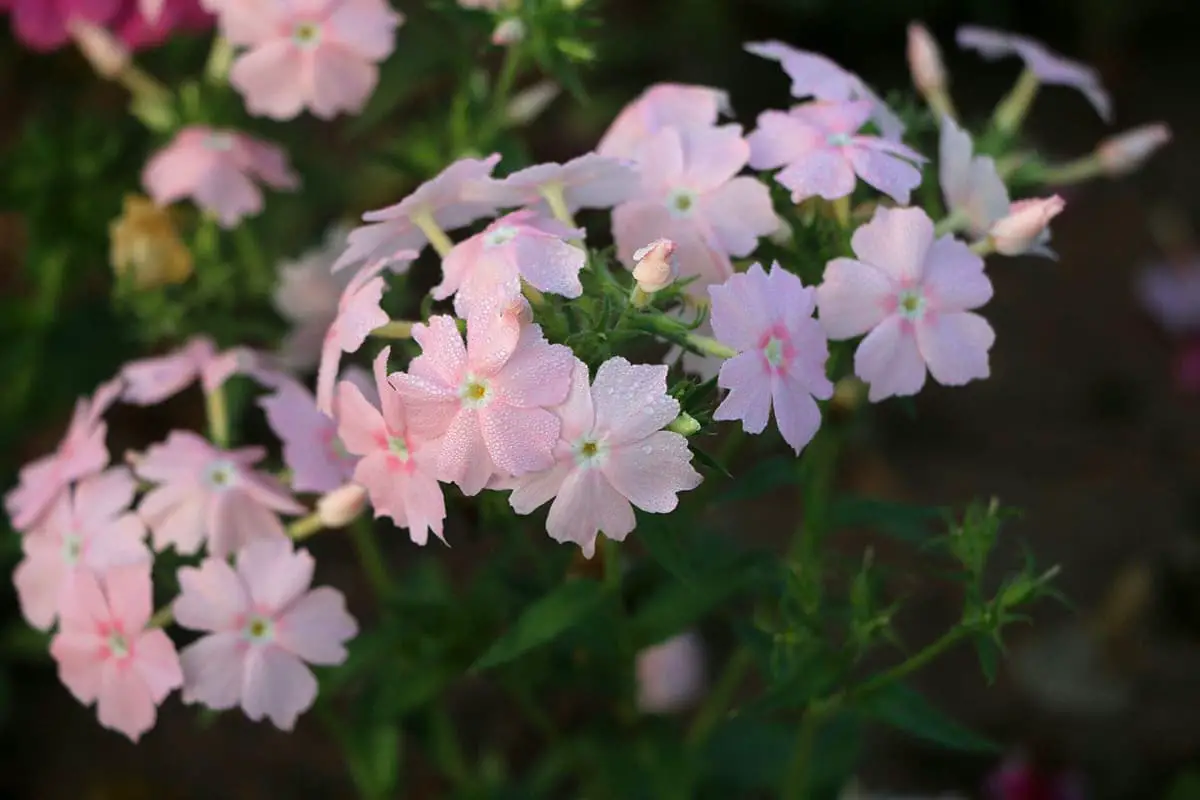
<point>262,277</point>
<point>1081,169</point>
<point>904,668</point>
<point>362,533</point>
<point>218,417</point>
<point>396,329</point>
<point>721,697</point>
<point>446,749</point>
<point>162,618</point>
<point>305,527</point>
<point>795,782</point>
<point>437,237</point>
<point>953,222</point>
<point>1012,109</point>
<point>497,118</point>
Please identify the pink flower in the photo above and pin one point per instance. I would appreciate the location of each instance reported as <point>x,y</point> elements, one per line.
<point>1127,151</point>
<point>913,294</point>
<point>589,181</point>
<point>87,531</point>
<point>670,674</point>
<point>307,296</point>
<point>397,467</point>
<point>487,269</point>
<point>970,184</point>
<point>691,194</point>
<point>216,169</point>
<point>821,152</point>
<point>209,495</point>
<point>82,452</point>
<point>321,55</point>
<point>1171,294</point>
<point>42,24</point>
<point>488,401</point>
<point>814,75</point>
<point>1026,227</point>
<point>107,656</point>
<point>358,314</point>
<point>925,60</point>
<point>611,453</point>
<point>146,23</point>
<point>1047,65</point>
<point>1018,779</point>
<point>663,105</point>
<point>457,196</point>
<point>768,319</point>
<point>311,448</point>
<point>265,624</point>
<point>150,381</point>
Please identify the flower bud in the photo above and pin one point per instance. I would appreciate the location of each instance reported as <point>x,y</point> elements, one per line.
<point>1126,152</point>
<point>339,508</point>
<point>670,675</point>
<point>145,245</point>
<point>529,103</point>
<point>1025,225</point>
<point>656,266</point>
<point>509,31</point>
<point>103,51</point>
<point>925,60</point>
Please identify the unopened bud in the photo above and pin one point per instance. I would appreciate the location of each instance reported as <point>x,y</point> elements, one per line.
<point>529,103</point>
<point>671,674</point>
<point>509,31</point>
<point>657,267</point>
<point>1025,225</point>
<point>925,60</point>
<point>103,51</point>
<point>685,425</point>
<point>1126,152</point>
<point>342,506</point>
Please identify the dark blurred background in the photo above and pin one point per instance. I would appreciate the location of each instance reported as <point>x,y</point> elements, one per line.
<point>1081,425</point>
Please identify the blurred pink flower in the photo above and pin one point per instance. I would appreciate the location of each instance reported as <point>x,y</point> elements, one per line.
<point>1026,226</point>
<point>358,314</point>
<point>1018,779</point>
<point>209,495</point>
<point>311,448</point>
<point>663,105</point>
<point>589,181</point>
<point>82,452</point>
<point>970,183</point>
<point>768,319</point>
<point>264,623</point>
<point>1127,151</point>
<point>457,196</point>
<point>691,194</point>
<point>1170,293</point>
<point>814,75</point>
<point>611,453</point>
<point>107,656</point>
<point>397,467</point>
<point>670,674</point>
<point>821,152</point>
<point>87,531</point>
<point>42,24</point>
<point>146,23</point>
<point>216,169</point>
<point>925,60</point>
<point>150,381</point>
<point>488,401</point>
<point>911,295</point>
<point>307,296</point>
<point>1047,65</point>
<point>322,56</point>
<point>486,270</point>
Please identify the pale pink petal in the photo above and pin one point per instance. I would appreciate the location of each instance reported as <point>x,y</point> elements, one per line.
<point>174,517</point>
<point>853,297</point>
<point>551,265</point>
<point>826,173</point>
<point>897,241</point>
<point>464,458</point>
<point>631,400</point>
<point>360,425</point>
<point>79,655</point>
<point>576,411</point>
<point>342,82</point>
<point>158,664</point>
<point>739,212</point>
<point>893,176</point>
<point>180,458</point>
<point>780,139</point>
<point>316,626</point>
<point>442,349</point>
<point>151,380</point>
<point>424,504</point>
<point>130,594</point>
<point>519,440</point>
<point>651,472</point>
<point>119,543</point>
<point>275,574</point>
<point>270,78</point>
<point>661,160</point>
<point>430,407</point>
<point>101,497</point>
<point>661,106</point>
<point>535,489</point>
<point>213,669</point>
<point>377,473</point>
<point>889,361</point>
<point>124,703</point>
<point>276,685</point>
<point>955,346</point>
<point>39,580</point>
<point>796,413</point>
<point>739,308</point>
<point>586,505</point>
<point>235,519</point>
<point>954,277</point>
<point>537,374</point>
<point>749,397</point>
<point>228,194</point>
<point>812,74</point>
<point>713,155</point>
<point>212,597</point>
<point>368,27</point>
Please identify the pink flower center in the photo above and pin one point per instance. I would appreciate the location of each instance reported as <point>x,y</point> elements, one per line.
<point>777,350</point>
<point>334,449</point>
<point>589,452</point>
<point>220,475</point>
<point>118,645</point>
<point>399,454</point>
<point>910,304</point>
<point>258,630</point>
<point>837,139</point>
<point>306,35</point>
<point>474,392</point>
<point>72,548</point>
<point>500,236</point>
<point>219,141</point>
<point>682,202</point>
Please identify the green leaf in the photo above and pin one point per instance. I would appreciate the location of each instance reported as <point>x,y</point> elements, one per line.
<point>908,710</point>
<point>903,521</point>
<point>543,621</point>
<point>381,758</point>
<point>749,753</point>
<point>989,653</point>
<point>710,462</point>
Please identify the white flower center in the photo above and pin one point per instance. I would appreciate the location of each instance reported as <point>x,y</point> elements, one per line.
<point>837,139</point>
<point>306,34</point>
<point>398,447</point>
<point>220,475</point>
<point>72,548</point>
<point>219,141</point>
<point>773,351</point>
<point>117,645</point>
<point>589,453</point>
<point>910,304</point>
<point>500,236</point>
<point>475,392</point>
<point>682,202</point>
<point>259,630</point>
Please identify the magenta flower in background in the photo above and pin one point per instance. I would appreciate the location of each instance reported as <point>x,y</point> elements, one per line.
<point>212,496</point>
<point>486,270</point>
<point>819,147</point>
<point>663,105</point>
<point>912,295</point>
<point>358,314</point>
<point>1170,293</point>
<point>146,23</point>
<point>311,448</point>
<point>322,56</point>
<point>670,674</point>
<point>150,381</point>
<point>589,181</point>
<point>972,187</point>
<point>87,531</point>
<point>264,624</point>
<point>82,452</point>
<point>691,194</point>
<point>457,196</point>
<point>217,169</point>
<point>814,75</point>
<point>1047,65</point>
<point>768,319</point>
<point>611,455</point>
<point>107,656</point>
<point>1018,779</point>
<point>489,401</point>
<point>397,468</point>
